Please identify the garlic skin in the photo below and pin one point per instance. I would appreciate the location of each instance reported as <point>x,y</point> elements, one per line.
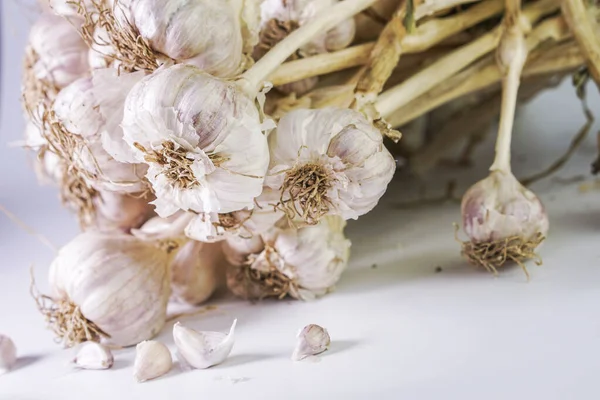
<point>171,28</point>
<point>61,52</point>
<point>201,138</point>
<point>8,354</point>
<point>202,350</point>
<point>121,212</point>
<point>312,340</point>
<point>307,261</point>
<point>340,146</point>
<point>65,8</point>
<point>196,272</point>
<point>499,207</point>
<point>152,360</point>
<point>118,283</point>
<point>93,355</point>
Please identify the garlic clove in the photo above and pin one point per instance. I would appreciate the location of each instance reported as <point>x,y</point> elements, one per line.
<point>152,360</point>
<point>92,355</point>
<point>203,349</point>
<point>8,354</point>
<point>312,340</point>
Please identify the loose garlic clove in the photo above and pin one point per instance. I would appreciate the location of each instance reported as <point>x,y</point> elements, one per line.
<point>8,354</point>
<point>152,360</point>
<point>92,355</point>
<point>312,340</point>
<point>203,349</point>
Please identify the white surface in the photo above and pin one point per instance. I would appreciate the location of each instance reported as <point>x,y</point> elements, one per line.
<point>399,331</point>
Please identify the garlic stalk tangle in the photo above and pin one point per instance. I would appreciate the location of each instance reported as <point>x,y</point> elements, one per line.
<point>201,138</point>
<point>303,263</point>
<point>312,340</point>
<point>281,17</point>
<point>91,355</point>
<point>152,360</point>
<point>55,57</point>
<point>203,349</point>
<point>8,354</point>
<point>196,271</point>
<point>329,161</point>
<point>112,287</point>
<point>504,221</point>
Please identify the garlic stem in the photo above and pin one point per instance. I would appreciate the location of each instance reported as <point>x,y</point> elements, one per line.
<point>435,6</point>
<point>252,79</point>
<point>511,54</point>
<point>427,35</point>
<point>585,32</point>
<point>441,70</point>
<point>479,76</point>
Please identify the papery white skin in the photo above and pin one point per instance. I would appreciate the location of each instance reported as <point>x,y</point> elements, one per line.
<point>312,340</point>
<point>65,8</point>
<point>91,355</point>
<point>313,257</point>
<point>8,354</point>
<point>152,360</point>
<point>118,281</point>
<point>171,28</point>
<point>203,349</point>
<point>61,51</point>
<point>121,212</point>
<point>196,272</point>
<point>201,115</point>
<point>34,139</point>
<point>101,52</point>
<point>159,228</point>
<point>345,144</point>
<point>76,108</point>
<point>499,207</point>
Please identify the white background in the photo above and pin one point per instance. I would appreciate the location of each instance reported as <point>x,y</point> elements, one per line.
<point>399,331</point>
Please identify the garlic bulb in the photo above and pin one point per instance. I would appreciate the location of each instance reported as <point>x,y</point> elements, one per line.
<point>93,355</point>
<point>281,17</point>
<point>171,28</point>
<point>121,212</point>
<point>203,349</point>
<point>312,340</point>
<point>107,286</point>
<point>56,56</point>
<point>8,354</point>
<point>152,360</point>
<point>196,271</point>
<point>304,263</point>
<point>201,138</point>
<point>328,162</point>
<point>498,209</point>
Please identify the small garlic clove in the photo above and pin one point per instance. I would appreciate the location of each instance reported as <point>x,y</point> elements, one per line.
<point>92,355</point>
<point>152,360</point>
<point>203,349</point>
<point>312,340</point>
<point>8,354</point>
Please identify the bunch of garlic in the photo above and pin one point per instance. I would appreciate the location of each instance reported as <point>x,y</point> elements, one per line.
<point>304,263</point>
<point>201,138</point>
<point>55,57</point>
<point>328,161</point>
<point>113,287</point>
<point>281,17</point>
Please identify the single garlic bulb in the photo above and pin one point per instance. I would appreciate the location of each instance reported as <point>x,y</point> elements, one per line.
<point>8,354</point>
<point>171,28</point>
<point>93,355</point>
<point>312,340</point>
<point>281,17</point>
<point>56,56</point>
<point>329,161</point>
<point>304,263</point>
<point>121,212</point>
<point>503,220</point>
<point>107,286</point>
<point>203,349</point>
<point>196,271</point>
<point>152,360</point>
<point>201,138</point>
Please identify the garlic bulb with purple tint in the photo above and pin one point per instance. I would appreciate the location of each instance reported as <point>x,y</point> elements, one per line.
<point>329,161</point>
